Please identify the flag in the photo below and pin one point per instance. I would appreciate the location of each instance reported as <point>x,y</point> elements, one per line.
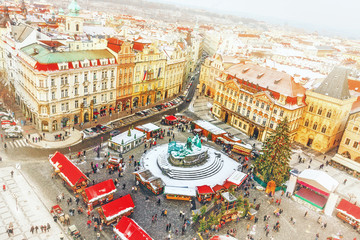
<point>159,73</point>
<point>145,72</point>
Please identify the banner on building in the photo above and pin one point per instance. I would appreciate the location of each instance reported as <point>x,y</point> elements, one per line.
<point>145,72</point>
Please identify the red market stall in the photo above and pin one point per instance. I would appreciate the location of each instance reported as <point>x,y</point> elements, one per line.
<point>99,193</point>
<point>237,178</point>
<point>218,189</point>
<point>150,130</point>
<point>204,193</point>
<point>349,213</point>
<point>128,229</point>
<point>170,120</point>
<point>70,173</point>
<point>116,209</point>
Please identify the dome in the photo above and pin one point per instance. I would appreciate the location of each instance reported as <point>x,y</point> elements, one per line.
<point>74,8</point>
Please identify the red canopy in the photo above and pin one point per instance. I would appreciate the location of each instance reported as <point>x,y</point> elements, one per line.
<point>349,209</point>
<point>100,190</point>
<point>128,229</point>
<point>71,173</point>
<point>204,189</point>
<point>118,207</point>
<point>223,237</point>
<point>228,184</point>
<point>218,187</point>
<point>171,118</point>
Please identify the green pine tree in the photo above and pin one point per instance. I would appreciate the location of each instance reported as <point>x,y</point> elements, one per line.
<point>273,164</point>
<point>129,133</point>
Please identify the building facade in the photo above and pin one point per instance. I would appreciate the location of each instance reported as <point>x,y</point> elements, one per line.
<point>255,99</point>
<point>328,108</point>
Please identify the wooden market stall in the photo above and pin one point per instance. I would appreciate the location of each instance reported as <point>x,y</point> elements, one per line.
<point>154,184</point>
<point>169,120</point>
<point>237,178</point>
<point>179,193</point>
<point>127,140</point>
<point>218,189</point>
<point>150,130</point>
<point>114,163</point>
<point>70,173</point>
<point>99,193</point>
<point>204,193</point>
<point>116,209</point>
<point>349,213</point>
<point>128,229</point>
<point>207,128</point>
<point>230,202</point>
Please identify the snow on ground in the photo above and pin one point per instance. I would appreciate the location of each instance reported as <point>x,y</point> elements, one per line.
<point>229,166</point>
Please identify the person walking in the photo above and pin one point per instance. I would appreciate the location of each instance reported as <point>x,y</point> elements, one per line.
<point>305,213</point>
<point>32,229</point>
<point>48,227</point>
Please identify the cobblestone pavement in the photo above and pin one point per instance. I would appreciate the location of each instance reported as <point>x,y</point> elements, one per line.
<point>20,206</point>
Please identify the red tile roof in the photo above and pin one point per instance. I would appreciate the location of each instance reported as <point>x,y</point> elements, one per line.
<point>267,78</point>
<point>218,188</point>
<point>128,229</point>
<point>115,44</point>
<point>204,189</point>
<point>100,190</point>
<point>140,46</point>
<point>349,209</point>
<point>71,173</point>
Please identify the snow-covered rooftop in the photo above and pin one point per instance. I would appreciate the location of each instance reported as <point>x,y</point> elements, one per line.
<point>124,138</point>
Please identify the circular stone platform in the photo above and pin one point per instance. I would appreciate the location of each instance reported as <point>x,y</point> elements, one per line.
<point>215,170</point>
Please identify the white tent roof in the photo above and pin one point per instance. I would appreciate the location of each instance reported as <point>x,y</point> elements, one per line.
<point>237,177</point>
<point>149,127</point>
<point>318,179</point>
<point>125,139</point>
<point>180,191</point>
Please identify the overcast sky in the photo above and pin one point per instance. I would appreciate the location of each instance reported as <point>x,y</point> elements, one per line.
<point>341,17</point>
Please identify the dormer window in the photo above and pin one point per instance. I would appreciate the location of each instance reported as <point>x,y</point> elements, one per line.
<point>85,63</point>
<point>63,66</point>
<point>112,61</point>
<point>260,75</point>
<point>94,62</point>
<point>75,64</point>
<point>245,70</point>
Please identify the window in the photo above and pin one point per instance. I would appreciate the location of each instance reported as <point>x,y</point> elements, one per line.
<point>52,95</point>
<point>347,141</point>
<point>111,96</point>
<point>52,82</point>
<point>62,93</point>
<point>272,125</point>
<point>264,121</point>
<point>76,91</point>
<point>257,103</point>
<point>311,108</point>
<point>76,79</point>
<point>85,77</point>
<point>53,109</point>
<point>248,113</point>
<point>239,109</point>
<point>254,117</point>
<point>246,98</point>
<point>262,105</point>
<point>275,110</point>
<point>112,73</point>
<point>67,106</point>
<point>236,122</point>
<point>267,107</point>
<point>43,110</point>
<point>63,107</point>
<point>356,144</point>
<point>306,123</point>
<point>233,107</point>
<point>85,90</point>
<point>323,130</point>
<point>319,111</point>
<point>315,126</point>
<point>94,99</point>
<point>76,103</point>
<point>328,114</point>
<point>251,99</point>
<point>281,113</point>
<point>77,27</point>
<point>111,84</point>
<point>94,75</point>
<point>94,88</point>
<point>241,96</point>
<point>84,101</point>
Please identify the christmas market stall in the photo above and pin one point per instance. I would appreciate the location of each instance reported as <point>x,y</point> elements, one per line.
<point>349,213</point>
<point>230,214</point>
<point>150,130</point>
<point>70,173</point>
<point>179,193</point>
<point>237,178</point>
<point>154,184</point>
<point>114,163</point>
<point>218,189</point>
<point>99,193</point>
<point>316,188</point>
<point>116,209</point>
<point>209,130</point>
<point>128,229</point>
<point>126,141</point>
<point>223,237</point>
<point>204,193</point>
<point>169,120</point>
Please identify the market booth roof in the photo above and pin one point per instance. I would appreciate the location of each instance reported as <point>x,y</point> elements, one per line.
<point>128,229</point>
<point>349,209</point>
<point>171,118</point>
<point>118,207</point>
<point>237,177</point>
<point>218,187</point>
<point>100,190</point>
<point>204,189</point>
<point>223,237</point>
<point>67,169</point>
<point>318,179</point>
<point>148,127</point>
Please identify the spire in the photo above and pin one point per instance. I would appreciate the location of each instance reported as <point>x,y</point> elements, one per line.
<point>74,8</point>
<point>336,84</point>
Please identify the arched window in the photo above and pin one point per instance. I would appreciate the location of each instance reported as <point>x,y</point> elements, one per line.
<point>328,114</point>
<point>77,27</point>
<point>306,123</point>
<point>311,108</point>
<point>315,126</point>
<point>319,111</point>
<point>323,130</point>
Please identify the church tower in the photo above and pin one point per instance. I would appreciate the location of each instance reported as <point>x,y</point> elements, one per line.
<point>73,21</point>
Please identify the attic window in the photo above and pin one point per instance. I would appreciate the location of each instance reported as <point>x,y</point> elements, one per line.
<point>94,62</point>
<point>277,81</point>
<point>245,70</point>
<point>260,75</point>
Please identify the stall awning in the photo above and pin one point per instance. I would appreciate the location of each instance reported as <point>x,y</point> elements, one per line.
<point>128,229</point>
<point>319,180</point>
<point>204,189</point>
<point>95,113</point>
<point>100,190</point>
<point>111,108</point>
<point>351,164</point>
<point>218,187</point>
<point>237,177</point>
<point>118,207</point>
<point>171,118</point>
<point>71,173</point>
<point>349,209</point>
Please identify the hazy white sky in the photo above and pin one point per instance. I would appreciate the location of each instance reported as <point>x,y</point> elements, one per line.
<point>339,16</point>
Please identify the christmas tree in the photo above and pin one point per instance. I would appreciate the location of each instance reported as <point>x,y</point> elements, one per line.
<point>273,164</point>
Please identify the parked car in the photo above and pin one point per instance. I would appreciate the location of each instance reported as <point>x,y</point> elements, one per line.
<point>188,100</point>
<point>95,130</point>
<point>182,97</point>
<point>88,132</point>
<point>146,112</point>
<point>101,127</point>
<point>140,114</point>
<point>114,132</point>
